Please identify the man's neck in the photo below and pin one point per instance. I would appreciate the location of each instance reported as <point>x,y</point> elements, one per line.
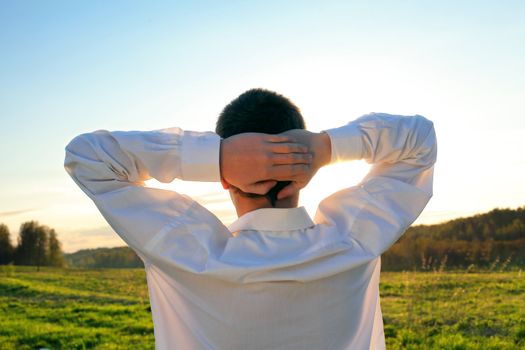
<point>246,205</point>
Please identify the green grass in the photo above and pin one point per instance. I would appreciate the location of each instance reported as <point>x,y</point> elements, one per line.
<point>75,309</point>
<point>454,310</point>
<point>109,309</point>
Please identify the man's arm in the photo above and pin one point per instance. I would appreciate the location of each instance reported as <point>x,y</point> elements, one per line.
<point>111,167</point>
<point>402,150</point>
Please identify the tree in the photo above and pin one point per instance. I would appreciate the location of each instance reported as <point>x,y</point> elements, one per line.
<point>33,245</point>
<point>56,256</point>
<point>25,252</point>
<point>6,248</point>
<point>38,245</point>
<point>41,247</point>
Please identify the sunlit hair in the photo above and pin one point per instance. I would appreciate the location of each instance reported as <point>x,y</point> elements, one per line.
<point>263,111</point>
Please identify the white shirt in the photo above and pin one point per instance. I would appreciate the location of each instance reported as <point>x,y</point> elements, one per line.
<point>275,278</point>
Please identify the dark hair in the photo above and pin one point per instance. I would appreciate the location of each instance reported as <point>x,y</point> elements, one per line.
<point>263,111</point>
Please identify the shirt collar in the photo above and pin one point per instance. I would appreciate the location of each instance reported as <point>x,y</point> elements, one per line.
<point>272,219</point>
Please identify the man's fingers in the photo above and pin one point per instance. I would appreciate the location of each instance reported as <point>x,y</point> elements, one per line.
<point>278,138</point>
<point>289,147</point>
<point>283,172</point>
<point>260,187</point>
<point>287,191</point>
<point>292,158</point>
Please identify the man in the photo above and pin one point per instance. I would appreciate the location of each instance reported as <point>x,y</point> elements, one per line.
<point>275,278</point>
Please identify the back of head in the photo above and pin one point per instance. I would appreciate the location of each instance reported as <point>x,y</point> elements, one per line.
<point>262,111</point>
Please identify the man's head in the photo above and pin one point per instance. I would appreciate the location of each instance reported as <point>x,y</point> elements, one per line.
<point>262,111</point>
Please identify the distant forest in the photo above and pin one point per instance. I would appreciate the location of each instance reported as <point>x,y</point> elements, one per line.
<point>119,257</point>
<point>494,240</point>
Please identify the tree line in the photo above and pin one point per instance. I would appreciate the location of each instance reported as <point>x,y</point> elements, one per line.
<point>118,257</point>
<point>491,240</point>
<point>37,245</point>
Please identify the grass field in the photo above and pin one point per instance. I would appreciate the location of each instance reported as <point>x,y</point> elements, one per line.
<point>109,309</point>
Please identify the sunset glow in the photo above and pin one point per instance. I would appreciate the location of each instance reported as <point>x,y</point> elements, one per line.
<point>78,68</point>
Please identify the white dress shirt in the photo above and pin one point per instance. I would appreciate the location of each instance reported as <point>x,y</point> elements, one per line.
<point>275,278</point>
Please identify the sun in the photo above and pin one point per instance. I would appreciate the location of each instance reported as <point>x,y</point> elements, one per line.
<point>331,179</point>
<point>328,180</point>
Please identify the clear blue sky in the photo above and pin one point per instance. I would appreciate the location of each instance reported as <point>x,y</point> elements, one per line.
<point>68,67</point>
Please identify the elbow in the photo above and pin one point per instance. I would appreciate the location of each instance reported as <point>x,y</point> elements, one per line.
<point>427,141</point>
<point>73,148</point>
<point>425,125</point>
<point>83,145</point>
<point>77,142</point>
<point>78,150</point>
<point>71,161</point>
<point>431,144</point>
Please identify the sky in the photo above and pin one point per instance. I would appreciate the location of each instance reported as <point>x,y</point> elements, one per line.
<point>69,67</point>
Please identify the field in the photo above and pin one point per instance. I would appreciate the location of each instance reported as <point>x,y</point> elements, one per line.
<point>109,309</point>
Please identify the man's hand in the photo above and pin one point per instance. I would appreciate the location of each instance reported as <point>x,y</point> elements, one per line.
<point>254,162</point>
<point>319,145</point>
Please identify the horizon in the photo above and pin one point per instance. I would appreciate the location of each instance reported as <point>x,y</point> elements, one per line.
<point>69,68</point>
<point>414,225</point>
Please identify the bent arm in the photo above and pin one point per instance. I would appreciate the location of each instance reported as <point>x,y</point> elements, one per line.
<point>402,151</point>
<point>111,167</point>
<point>103,161</point>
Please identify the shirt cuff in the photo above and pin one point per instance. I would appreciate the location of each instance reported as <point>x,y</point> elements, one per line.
<point>346,143</point>
<point>200,156</point>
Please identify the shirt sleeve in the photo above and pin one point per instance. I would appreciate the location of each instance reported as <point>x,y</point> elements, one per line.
<point>111,167</point>
<point>402,151</point>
